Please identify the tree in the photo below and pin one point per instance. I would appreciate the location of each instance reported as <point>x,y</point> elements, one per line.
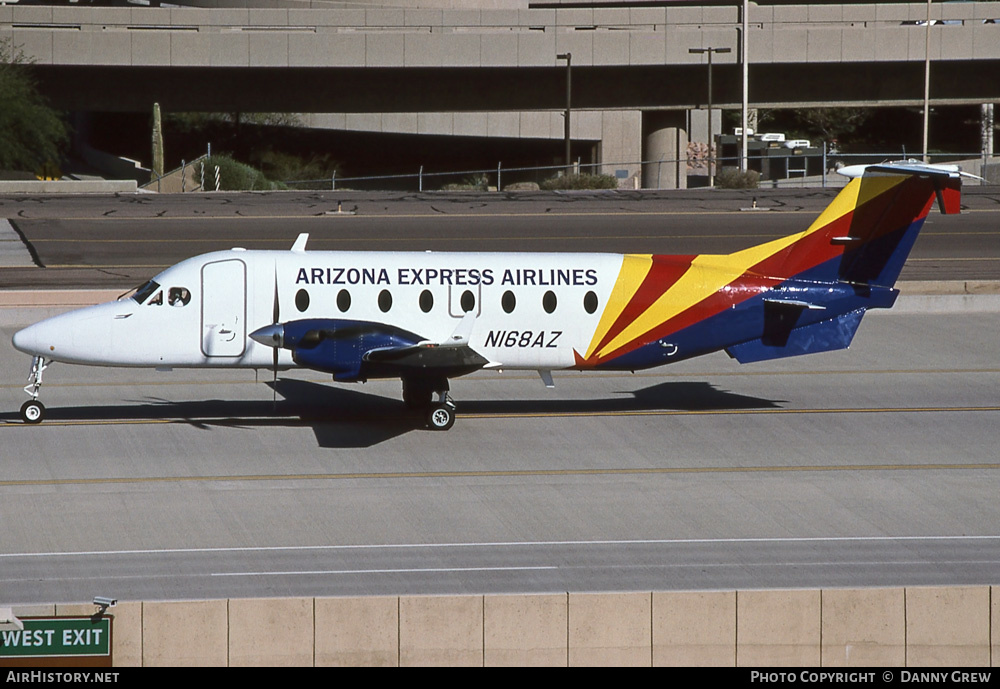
<point>826,124</point>
<point>832,123</point>
<point>31,133</point>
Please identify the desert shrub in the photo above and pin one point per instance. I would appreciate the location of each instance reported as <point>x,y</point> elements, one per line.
<point>237,176</point>
<point>471,183</point>
<point>522,186</point>
<point>289,167</point>
<point>733,178</point>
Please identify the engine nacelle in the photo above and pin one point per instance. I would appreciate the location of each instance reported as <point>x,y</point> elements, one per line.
<point>338,346</point>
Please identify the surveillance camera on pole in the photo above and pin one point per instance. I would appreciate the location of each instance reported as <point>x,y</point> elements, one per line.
<point>104,603</point>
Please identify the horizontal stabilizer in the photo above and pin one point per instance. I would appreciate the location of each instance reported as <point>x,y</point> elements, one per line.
<point>946,179</point>
<point>825,336</point>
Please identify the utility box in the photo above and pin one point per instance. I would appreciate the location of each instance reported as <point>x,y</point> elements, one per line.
<point>775,158</point>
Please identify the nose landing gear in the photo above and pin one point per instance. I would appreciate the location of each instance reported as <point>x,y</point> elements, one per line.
<point>33,411</point>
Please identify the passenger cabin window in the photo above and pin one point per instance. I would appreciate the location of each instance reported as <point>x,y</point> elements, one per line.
<point>549,301</point>
<point>590,302</point>
<point>468,301</point>
<point>178,296</point>
<point>426,301</point>
<point>508,301</point>
<point>302,300</point>
<point>384,301</point>
<point>343,300</point>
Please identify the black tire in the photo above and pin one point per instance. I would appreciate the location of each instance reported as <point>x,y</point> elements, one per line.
<point>441,417</point>
<point>32,411</point>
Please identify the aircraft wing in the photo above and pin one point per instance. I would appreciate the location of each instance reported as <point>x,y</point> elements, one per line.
<point>359,350</point>
<point>448,361</point>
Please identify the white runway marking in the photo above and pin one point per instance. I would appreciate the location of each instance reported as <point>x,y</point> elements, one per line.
<point>511,544</point>
<point>411,570</point>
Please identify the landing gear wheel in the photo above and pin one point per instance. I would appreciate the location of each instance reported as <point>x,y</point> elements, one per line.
<point>441,417</point>
<point>32,411</point>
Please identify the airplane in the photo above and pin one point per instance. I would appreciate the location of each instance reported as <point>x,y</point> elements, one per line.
<point>426,318</point>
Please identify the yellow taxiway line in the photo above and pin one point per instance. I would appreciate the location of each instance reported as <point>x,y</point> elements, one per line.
<point>512,473</point>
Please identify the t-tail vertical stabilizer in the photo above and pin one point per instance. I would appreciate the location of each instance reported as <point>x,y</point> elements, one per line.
<point>864,236</point>
<point>850,258</point>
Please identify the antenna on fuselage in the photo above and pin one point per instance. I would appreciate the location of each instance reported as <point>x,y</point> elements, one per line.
<point>299,246</point>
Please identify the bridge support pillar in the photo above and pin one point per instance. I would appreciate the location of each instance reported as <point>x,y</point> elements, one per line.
<point>664,149</point>
<point>986,121</point>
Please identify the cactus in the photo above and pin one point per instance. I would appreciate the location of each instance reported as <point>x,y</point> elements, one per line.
<point>157,142</point>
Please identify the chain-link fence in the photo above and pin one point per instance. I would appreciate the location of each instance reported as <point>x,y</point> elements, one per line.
<point>494,178</point>
<point>775,171</point>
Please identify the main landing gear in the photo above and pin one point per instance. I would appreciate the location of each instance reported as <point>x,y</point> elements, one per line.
<point>419,395</point>
<point>33,411</point>
<point>441,416</point>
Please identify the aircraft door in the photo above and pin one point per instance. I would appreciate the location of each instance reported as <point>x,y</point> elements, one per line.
<point>223,308</point>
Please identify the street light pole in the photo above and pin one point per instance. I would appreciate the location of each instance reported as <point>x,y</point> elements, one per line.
<point>927,78</point>
<point>569,101</point>
<point>709,50</point>
<point>744,52</point>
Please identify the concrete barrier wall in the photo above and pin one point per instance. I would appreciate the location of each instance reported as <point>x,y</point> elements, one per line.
<point>890,627</point>
<point>109,186</point>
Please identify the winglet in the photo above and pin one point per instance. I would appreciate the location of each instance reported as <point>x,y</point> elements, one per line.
<point>463,332</point>
<point>299,246</point>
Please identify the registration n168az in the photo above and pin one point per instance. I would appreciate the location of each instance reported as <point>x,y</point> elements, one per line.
<point>523,338</point>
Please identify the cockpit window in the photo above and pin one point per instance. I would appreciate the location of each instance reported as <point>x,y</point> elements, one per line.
<point>142,293</point>
<point>157,299</point>
<point>178,296</point>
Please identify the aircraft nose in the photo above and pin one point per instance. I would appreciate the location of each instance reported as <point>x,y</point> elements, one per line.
<point>80,336</point>
<point>26,340</point>
<point>270,335</point>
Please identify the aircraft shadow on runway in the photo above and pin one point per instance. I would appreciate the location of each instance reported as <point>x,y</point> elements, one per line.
<point>346,417</point>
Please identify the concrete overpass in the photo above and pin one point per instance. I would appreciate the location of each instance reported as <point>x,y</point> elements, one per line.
<point>493,71</point>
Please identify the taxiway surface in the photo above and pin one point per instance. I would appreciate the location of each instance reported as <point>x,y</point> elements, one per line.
<point>874,466</point>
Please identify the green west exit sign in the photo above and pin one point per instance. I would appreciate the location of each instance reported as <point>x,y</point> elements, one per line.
<point>57,636</point>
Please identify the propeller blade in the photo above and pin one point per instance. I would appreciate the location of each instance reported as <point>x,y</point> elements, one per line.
<point>276,315</point>
<point>276,318</point>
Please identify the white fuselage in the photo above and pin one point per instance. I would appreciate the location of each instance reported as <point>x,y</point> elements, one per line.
<point>532,310</point>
